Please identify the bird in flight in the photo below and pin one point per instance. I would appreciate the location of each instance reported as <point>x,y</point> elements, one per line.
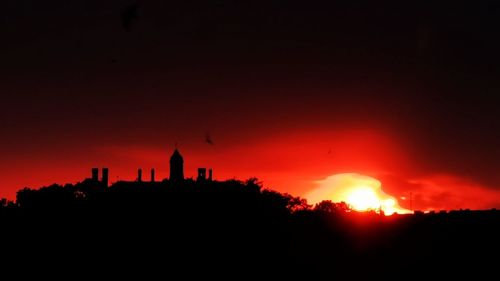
<point>208,139</point>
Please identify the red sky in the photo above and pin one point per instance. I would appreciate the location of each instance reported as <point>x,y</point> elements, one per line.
<point>290,162</point>
<point>290,93</point>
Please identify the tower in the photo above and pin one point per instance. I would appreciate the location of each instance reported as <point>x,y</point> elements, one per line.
<point>105,177</point>
<point>95,174</point>
<point>139,175</point>
<point>202,174</point>
<point>176,166</point>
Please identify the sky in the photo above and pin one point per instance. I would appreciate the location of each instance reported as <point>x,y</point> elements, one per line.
<point>290,92</point>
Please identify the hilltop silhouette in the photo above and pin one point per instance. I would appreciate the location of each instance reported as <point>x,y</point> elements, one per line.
<point>231,229</point>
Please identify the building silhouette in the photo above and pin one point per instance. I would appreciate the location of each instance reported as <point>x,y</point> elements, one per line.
<point>176,166</point>
<point>202,174</point>
<point>95,174</point>
<point>105,176</point>
<point>176,173</point>
<point>139,175</point>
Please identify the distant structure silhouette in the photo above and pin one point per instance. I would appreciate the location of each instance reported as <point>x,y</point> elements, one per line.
<point>202,174</point>
<point>176,166</point>
<point>139,175</point>
<point>105,177</point>
<point>176,174</point>
<point>95,174</point>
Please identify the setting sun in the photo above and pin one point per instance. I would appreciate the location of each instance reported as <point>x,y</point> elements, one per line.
<point>363,199</point>
<point>362,193</point>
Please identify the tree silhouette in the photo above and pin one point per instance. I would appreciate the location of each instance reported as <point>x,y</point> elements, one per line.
<point>327,206</point>
<point>161,228</point>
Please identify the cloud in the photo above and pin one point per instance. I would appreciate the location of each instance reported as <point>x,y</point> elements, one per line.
<point>452,192</point>
<point>442,191</point>
<point>360,191</point>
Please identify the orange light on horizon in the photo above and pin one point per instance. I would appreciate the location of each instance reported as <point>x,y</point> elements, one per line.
<point>361,192</point>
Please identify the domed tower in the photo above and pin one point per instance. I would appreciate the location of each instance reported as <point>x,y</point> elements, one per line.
<point>176,166</point>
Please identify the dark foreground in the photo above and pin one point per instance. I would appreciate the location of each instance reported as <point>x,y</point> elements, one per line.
<point>233,230</point>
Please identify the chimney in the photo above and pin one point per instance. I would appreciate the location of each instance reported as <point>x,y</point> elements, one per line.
<point>105,177</point>
<point>210,174</point>
<point>152,175</point>
<point>95,174</point>
<point>139,175</point>
<point>202,174</point>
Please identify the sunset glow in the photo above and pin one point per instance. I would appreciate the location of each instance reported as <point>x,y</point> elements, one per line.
<point>361,192</point>
<point>363,199</point>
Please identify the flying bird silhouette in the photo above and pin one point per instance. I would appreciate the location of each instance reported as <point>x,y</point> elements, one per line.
<point>129,15</point>
<point>208,139</point>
